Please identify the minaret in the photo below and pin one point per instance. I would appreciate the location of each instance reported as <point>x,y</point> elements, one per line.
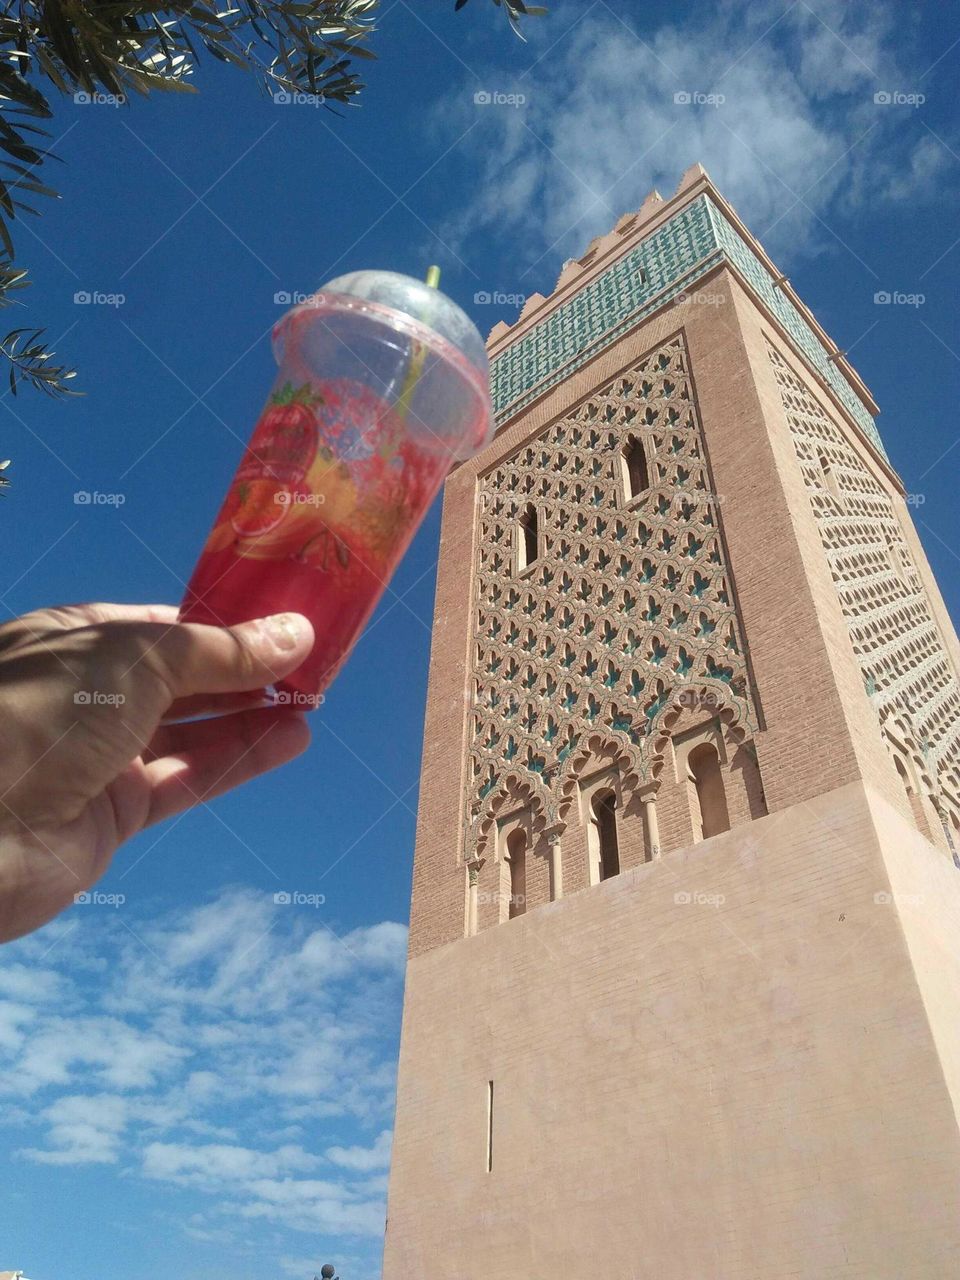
<point>683,997</point>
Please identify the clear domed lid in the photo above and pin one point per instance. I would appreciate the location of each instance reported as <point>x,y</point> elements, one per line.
<point>422,303</point>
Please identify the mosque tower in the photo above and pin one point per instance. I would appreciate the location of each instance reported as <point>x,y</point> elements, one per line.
<point>683,997</point>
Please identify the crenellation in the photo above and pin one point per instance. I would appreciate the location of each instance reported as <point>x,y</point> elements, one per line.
<point>533,303</point>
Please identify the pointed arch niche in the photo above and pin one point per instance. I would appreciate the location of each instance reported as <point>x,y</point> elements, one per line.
<point>514,855</point>
<point>634,468</point>
<point>702,770</point>
<point>601,813</point>
<point>925,804</point>
<point>528,538</point>
<point>694,802</point>
<point>711,815</point>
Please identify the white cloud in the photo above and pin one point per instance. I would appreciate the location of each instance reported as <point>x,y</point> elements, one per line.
<point>14,1021</point>
<point>383,944</point>
<point>221,1049</point>
<point>796,138</point>
<point>364,1159</point>
<point>111,1050</point>
<point>225,955</point>
<point>24,982</point>
<point>82,1130</point>
<point>924,164</point>
<point>840,47</point>
<point>215,1163</point>
<point>315,1206</point>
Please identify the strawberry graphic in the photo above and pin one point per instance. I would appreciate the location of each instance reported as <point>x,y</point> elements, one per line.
<point>281,451</point>
<point>284,442</point>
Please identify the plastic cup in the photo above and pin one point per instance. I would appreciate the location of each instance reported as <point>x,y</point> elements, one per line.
<point>382,386</point>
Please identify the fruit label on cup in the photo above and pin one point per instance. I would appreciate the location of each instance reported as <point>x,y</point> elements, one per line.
<point>330,472</point>
<point>278,457</point>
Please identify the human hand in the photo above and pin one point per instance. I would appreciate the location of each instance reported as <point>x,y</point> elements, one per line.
<point>92,751</point>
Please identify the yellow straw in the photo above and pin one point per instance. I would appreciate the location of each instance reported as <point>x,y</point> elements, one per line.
<point>415,368</point>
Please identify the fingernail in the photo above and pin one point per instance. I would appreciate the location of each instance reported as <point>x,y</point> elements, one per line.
<point>284,630</point>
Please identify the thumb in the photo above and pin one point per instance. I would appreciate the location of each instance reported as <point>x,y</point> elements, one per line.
<point>191,657</point>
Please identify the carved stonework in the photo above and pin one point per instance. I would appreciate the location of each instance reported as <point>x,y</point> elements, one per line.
<point>595,753</point>
<point>514,793</point>
<point>626,611</point>
<point>906,669</point>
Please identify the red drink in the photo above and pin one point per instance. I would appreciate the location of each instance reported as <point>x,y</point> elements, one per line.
<point>369,411</point>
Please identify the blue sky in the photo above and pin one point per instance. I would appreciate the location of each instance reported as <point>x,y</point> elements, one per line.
<point>199,1081</point>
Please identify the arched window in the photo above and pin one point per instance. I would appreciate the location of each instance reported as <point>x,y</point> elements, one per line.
<point>904,776</point>
<point>944,818</point>
<point>953,837</point>
<point>908,777</point>
<point>517,858</point>
<point>710,815</point>
<point>528,538</point>
<point>895,556</point>
<point>636,477</point>
<point>829,477</point>
<point>605,849</point>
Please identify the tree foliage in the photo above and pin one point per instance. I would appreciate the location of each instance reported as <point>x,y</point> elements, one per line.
<point>129,47</point>
<point>514,9</point>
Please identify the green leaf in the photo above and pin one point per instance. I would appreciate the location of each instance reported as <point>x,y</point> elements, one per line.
<point>514,9</point>
<point>30,361</point>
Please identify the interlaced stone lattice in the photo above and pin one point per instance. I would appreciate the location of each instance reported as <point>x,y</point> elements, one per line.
<point>906,669</point>
<point>627,607</point>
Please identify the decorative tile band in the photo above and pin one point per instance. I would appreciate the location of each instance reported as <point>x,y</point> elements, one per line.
<point>664,265</point>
